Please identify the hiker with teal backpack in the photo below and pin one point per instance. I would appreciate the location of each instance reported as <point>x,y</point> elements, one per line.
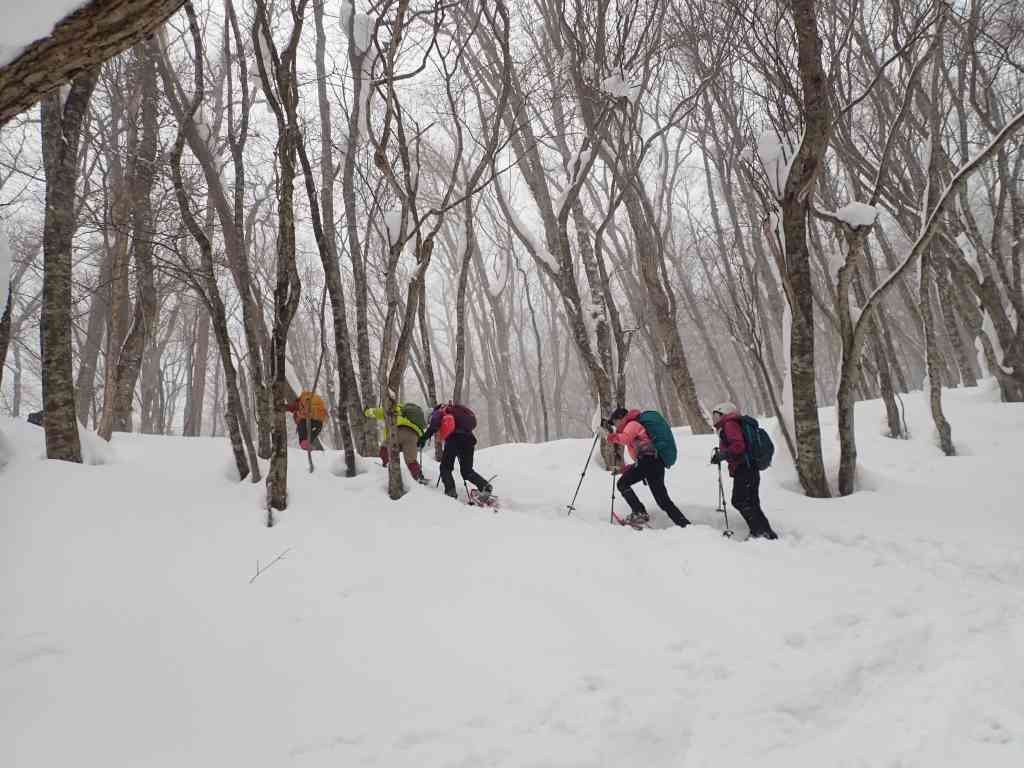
<point>746,449</point>
<point>411,423</point>
<point>653,448</point>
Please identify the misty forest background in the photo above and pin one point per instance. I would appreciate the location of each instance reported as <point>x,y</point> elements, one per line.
<point>537,208</point>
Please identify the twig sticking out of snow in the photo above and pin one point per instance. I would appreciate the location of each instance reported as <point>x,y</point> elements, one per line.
<point>261,570</point>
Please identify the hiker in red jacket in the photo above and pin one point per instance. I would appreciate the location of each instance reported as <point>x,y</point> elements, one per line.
<point>646,467</point>
<point>454,424</point>
<point>746,479</point>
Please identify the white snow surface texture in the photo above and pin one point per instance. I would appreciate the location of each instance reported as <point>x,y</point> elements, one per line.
<point>884,629</point>
<point>25,22</point>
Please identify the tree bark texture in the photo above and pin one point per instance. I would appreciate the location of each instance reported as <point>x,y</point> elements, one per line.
<point>141,334</point>
<point>795,201</point>
<point>5,330</point>
<point>327,238</point>
<point>61,133</point>
<point>83,40</point>
<point>193,425</point>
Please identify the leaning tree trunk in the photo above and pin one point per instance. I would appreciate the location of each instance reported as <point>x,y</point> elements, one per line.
<point>206,286</point>
<point>96,32</point>
<point>61,132</point>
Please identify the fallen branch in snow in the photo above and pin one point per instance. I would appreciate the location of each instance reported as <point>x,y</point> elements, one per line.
<point>261,570</point>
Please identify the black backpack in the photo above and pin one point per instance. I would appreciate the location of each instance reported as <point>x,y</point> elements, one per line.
<point>760,448</point>
<point>465,419</point>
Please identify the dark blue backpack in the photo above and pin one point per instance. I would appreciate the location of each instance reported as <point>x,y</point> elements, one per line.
<point>760,448</point>
<point>661,435</point>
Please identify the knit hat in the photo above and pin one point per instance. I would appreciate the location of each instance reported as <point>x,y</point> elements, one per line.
<point>617,414</point>
<point>725,408</point>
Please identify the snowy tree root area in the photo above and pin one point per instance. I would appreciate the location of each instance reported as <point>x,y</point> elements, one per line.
<point>883,629</point>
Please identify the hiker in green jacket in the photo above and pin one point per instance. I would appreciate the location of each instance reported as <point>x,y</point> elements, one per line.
<point>411,423</point>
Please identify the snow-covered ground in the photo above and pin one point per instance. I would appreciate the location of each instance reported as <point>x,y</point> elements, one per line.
<point>29,21</point>
<point>885,629</point>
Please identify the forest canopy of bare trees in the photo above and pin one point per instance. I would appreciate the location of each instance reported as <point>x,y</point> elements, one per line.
<point>538,208</point>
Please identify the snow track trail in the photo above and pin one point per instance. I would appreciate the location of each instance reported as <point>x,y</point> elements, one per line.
<point>884,629</point>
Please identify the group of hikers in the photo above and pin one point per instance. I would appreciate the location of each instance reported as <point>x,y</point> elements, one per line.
<point>454,424</point>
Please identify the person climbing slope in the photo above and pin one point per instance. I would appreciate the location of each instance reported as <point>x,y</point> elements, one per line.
<point>626,428</point>
<point>310,413</point>
<point>411,423</point>
<point>454,424</point>
<point>746,477</point>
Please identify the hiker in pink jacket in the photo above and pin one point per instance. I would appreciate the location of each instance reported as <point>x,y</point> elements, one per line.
<point>646,467</point>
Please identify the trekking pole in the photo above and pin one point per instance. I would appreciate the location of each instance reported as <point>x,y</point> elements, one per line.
<point>721,504</point>
<point>612,518</point>
<point>593,445</point>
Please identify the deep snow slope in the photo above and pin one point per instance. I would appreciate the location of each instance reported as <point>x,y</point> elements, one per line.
<point>885,629</point>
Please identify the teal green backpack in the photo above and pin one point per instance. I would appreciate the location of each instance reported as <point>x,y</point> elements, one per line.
<point>661,435</point>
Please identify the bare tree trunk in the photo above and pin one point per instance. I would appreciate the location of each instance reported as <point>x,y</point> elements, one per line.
<point>205,282</point>
<point>934,189</point>
<point>119,303</point>
<point>61,133</point>
<point>795,201</point>
<point>328,245</point>
<point>947,305</point>
<point>933,360</point>
<point>232,216</point>
<point>280,88</point>
<point>366,436</point>
<point>546,433</point>
<point>5,328</point>
<point>90,351</point>
<point>141,335</point>
<point>216,401</point>
<point>461,341</point>
<point>193,425</point>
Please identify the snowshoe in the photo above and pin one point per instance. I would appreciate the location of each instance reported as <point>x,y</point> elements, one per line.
<point>635,520</point>
<point>640,518</point>
<point>481,498</point>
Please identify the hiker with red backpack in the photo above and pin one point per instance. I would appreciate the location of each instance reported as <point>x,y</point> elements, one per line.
<point>410,424</point>
<point>454,423</point>
<point>649,439</point>
<point>734,438</point>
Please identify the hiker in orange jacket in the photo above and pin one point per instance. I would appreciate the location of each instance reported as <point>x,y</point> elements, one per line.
<point>310,413</point>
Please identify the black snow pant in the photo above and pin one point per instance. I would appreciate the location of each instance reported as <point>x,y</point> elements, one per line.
<point>459,446</point>
<point>651,470</point>
<point>314,432</point>
<point>746,483</point>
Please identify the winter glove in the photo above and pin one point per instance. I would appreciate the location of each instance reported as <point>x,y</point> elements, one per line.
<point>607,426</point>
<point>716,457</point>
